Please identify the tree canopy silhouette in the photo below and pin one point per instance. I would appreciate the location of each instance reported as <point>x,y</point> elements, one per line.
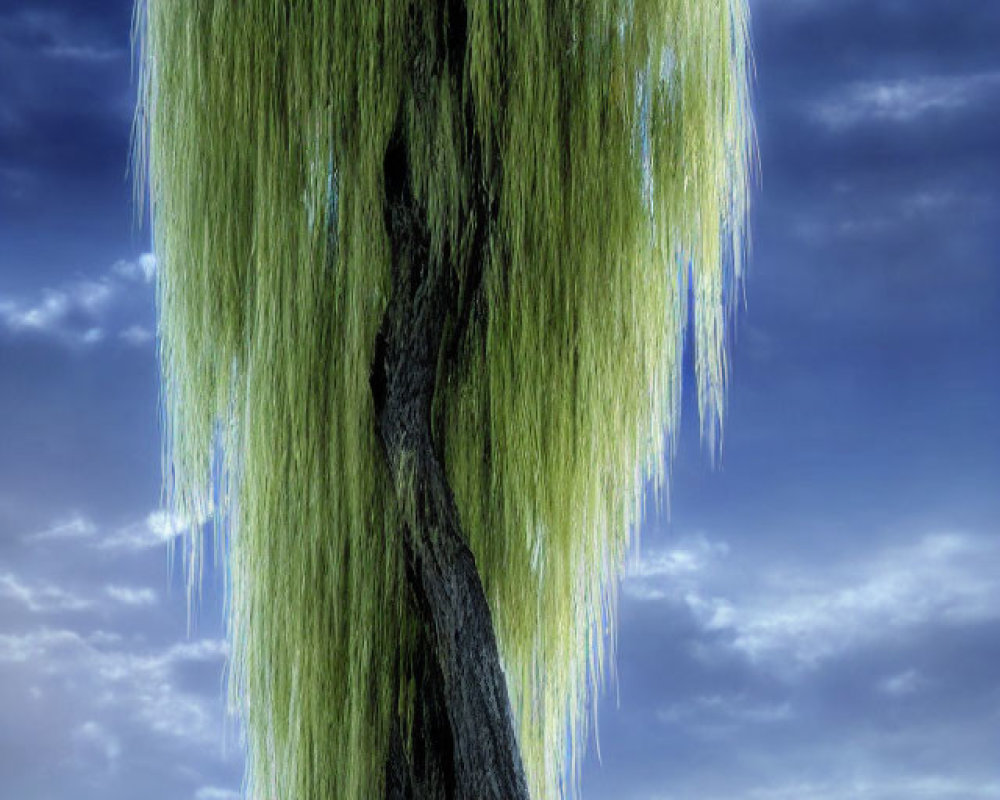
<point>424,274</point>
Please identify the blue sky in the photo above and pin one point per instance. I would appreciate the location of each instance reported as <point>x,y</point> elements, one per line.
<point>819,616</point>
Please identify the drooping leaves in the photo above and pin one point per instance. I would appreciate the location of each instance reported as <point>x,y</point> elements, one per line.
<point>616,137</point>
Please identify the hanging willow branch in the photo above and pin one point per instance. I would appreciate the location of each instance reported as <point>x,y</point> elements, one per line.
<point>580,168</point>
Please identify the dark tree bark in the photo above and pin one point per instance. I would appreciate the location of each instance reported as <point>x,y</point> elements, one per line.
<point>463,718</point>
<point>464,745</point>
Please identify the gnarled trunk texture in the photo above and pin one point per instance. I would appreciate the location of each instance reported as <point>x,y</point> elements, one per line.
<point>463,741</point>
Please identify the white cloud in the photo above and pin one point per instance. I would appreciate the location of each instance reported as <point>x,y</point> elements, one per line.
<point>131,596</point>
<point>113,681</point>
<point>94,296</point>
<point>66,314</point>
<point>59,38</point>
<point>855,787</point>
<point>912,787</point>
<point>74,527</point>
<point>75,313</point>
<point>157,528</point>
<point>216,793</point>
<point>91,738</point>
<point>902,684</point>
<point>904,101</point>
<point>795,616</point>
<point>944,579</point>
<point>669,572</point>
<point>142,268</point>
<point>40,598</point>
<point>136,335</point>
<point>154,698</point>
<point>720,711</point>
<point>198,650</point>
<point>88,54</point>
<point>45,642</point>
<point>40,315</point>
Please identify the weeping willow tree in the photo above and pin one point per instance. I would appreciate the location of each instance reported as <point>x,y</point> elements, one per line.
<point>425,274</point>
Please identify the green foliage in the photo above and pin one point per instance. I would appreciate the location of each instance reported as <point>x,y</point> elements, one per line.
<point>620,135</point>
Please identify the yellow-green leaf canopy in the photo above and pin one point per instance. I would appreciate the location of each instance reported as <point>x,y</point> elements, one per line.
<point>618,134</point>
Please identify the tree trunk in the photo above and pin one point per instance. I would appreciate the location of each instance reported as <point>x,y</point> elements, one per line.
<point>464,745</point>
<point>463,720</point>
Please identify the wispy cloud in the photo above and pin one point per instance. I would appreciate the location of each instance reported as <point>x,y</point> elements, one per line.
<point>861,216</point>
<point>904,101</point>
<point>805,617</point>
<point>902,683</point>
<point>142,268</point>
<point>76,526</point>
<point>40,597</point>
<point>131,596</point>
<point>18,648</point>
<point>154,530</point>
<point>913,787</point>
<point>216,793</point>
<point>723,711</point>
<point>797,616</point>
<point>43,597</point>
<point>138,684</point>
<point>670,573</point>
<point>84,53</point>
<point>53,35</point>
<point>136,335</point>
<point>78,313</point>
<point>93,738</point>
